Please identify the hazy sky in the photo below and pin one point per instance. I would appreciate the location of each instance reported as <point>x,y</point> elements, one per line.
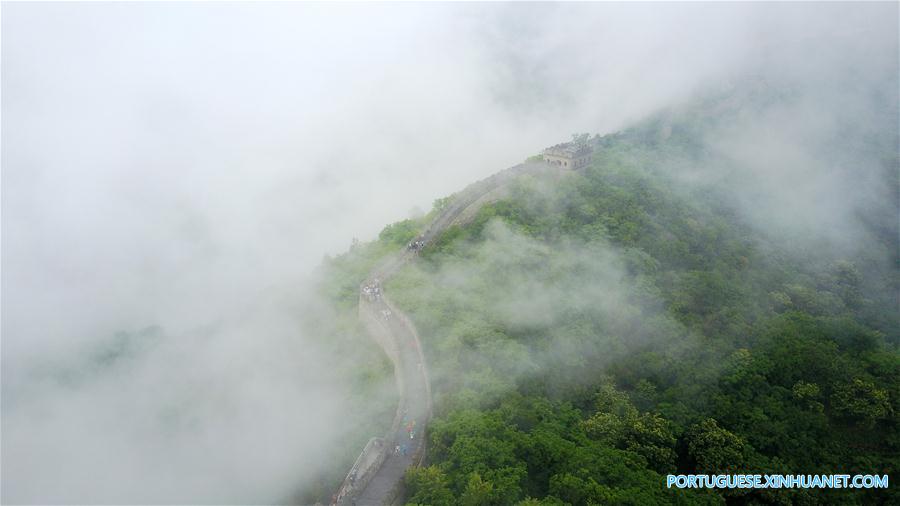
<point>188,165</point>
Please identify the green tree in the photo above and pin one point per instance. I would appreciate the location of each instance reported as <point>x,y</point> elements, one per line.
<point>428,485</point>
<point>714,449</point>
<point>478,492</point>
<point>581,139</point>
<point>860,401</point>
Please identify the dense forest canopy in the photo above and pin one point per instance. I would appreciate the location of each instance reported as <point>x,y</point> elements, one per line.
<point>592,332</point>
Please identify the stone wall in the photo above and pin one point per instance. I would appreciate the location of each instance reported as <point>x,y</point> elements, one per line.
<point>463,204</point>
<point>363,469</point>
<point>568,162</point>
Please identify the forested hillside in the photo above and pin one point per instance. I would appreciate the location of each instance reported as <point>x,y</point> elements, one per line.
<point>598,330</point>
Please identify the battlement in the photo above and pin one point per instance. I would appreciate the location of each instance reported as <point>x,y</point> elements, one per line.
<point>568,155</point>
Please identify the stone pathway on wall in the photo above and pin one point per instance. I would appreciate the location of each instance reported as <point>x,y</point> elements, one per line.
<point>397,336</point>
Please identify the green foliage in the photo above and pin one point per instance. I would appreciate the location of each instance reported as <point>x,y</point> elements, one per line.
<point>477,492</point>
<point>440,204</point>
<point>715,450</point>
<point>400,233</point>
<point>529,447</point>
<point>861,401</point>
<point>591,333</point>
<point>581,139</point>
<point>618,424</point>
<point>428,485</point>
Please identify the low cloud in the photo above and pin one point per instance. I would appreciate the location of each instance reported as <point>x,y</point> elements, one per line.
<point>184,167</point>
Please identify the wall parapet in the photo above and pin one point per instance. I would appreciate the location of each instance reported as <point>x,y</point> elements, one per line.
<point>365,467</point>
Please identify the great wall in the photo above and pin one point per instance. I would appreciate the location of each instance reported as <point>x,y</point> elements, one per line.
<point>376,478</point>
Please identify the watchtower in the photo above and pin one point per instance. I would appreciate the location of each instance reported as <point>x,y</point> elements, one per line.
<point>568,155</point>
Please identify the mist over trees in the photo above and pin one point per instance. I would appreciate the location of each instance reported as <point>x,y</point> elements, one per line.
<point>716,292</point>
<point>591,334</point>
